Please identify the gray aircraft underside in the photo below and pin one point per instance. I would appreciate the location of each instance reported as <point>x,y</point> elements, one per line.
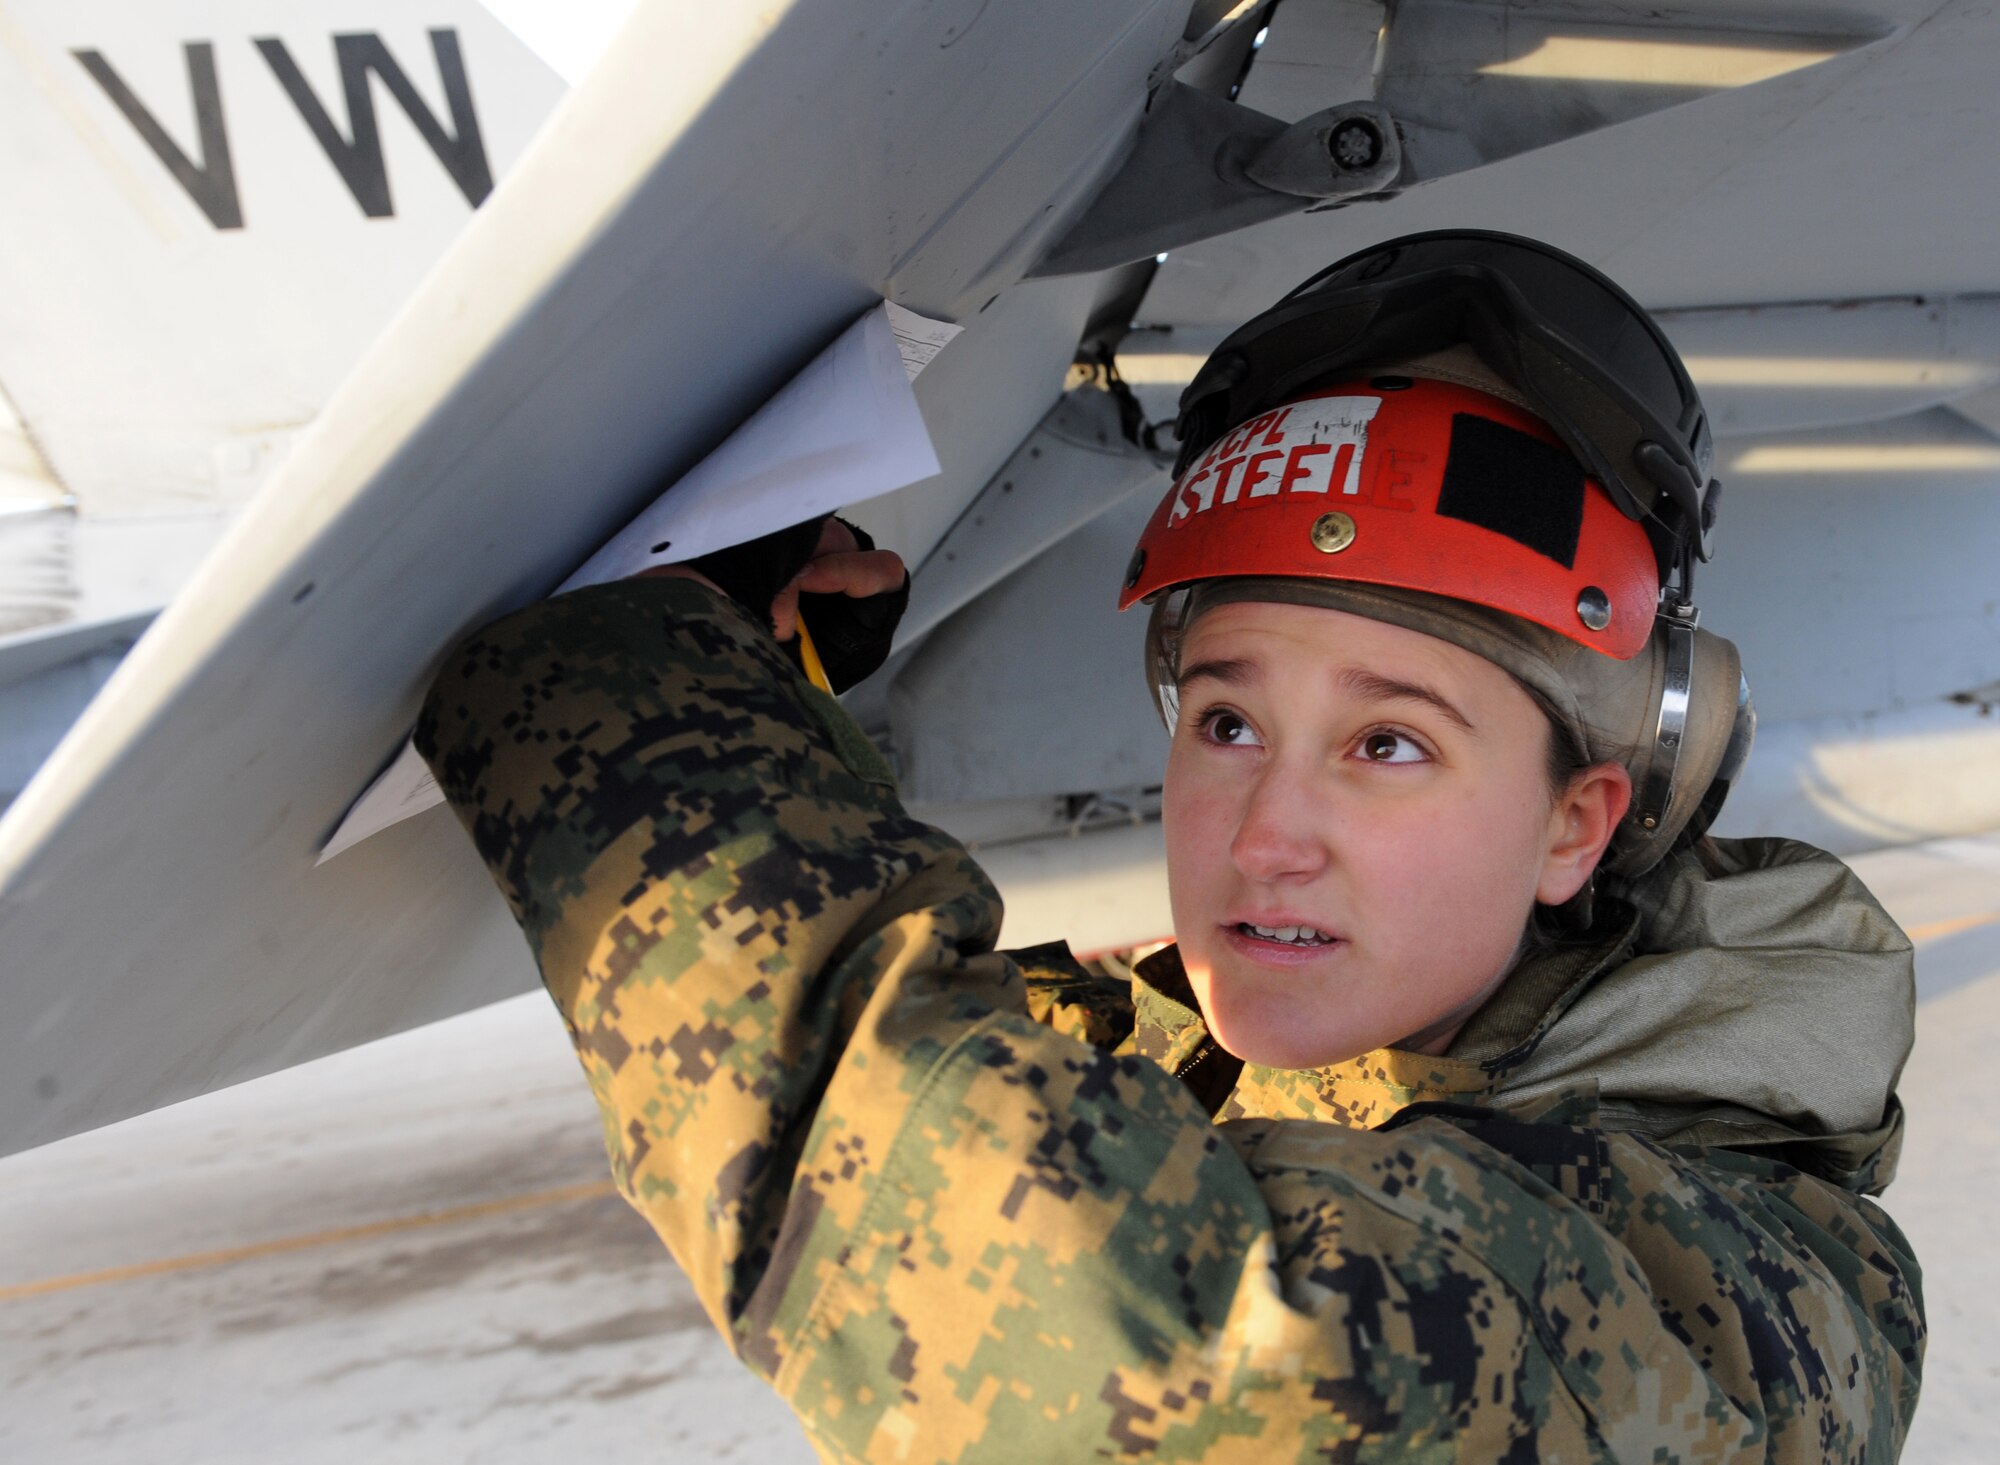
<point>1805,195</point>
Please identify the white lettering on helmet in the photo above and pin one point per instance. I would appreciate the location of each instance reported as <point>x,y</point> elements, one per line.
<point>1304,448</point>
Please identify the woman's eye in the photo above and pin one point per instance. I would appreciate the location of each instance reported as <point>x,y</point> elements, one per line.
<point>1391,747</point>
<point>1226,728</point>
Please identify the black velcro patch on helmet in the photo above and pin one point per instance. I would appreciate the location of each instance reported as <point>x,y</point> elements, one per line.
<point>1502,479</point>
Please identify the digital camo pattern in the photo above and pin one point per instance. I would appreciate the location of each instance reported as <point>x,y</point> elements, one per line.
<point>1358,1094</point>
<point>946,1231</point>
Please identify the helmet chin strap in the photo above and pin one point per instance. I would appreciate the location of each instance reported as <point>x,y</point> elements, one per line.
<point>1677,620</point>
<point>1678,623</point>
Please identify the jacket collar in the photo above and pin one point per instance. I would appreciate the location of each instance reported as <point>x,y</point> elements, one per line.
<point>1364,1092</point>
<point>1744,994</point>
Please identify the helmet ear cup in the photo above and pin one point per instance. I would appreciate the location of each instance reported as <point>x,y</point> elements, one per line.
<point>1685,757</point>
<point>1742,737</point>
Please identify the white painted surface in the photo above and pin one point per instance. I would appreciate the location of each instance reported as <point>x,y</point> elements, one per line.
<point>846,428</point>
<point>1100,890</point>
<point>620,303</point>
<point>26,484</point>
<point>1074,466</point>
<point>1760,368</point>
<point>164,363</point>
<point>570,35</point>
<point>61,569</point>
<point>1856,582</point>
<point>1838,182</point>
<point>47,677</point>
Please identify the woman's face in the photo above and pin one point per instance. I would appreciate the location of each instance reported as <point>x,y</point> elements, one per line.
<point>1359,822</point>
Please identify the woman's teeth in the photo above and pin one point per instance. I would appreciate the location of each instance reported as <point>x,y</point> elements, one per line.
<point>1291,935</point>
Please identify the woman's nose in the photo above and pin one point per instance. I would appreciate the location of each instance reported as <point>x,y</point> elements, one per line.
<point>1281,835</point>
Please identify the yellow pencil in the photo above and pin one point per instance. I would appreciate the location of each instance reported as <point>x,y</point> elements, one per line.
<point>809,655</point>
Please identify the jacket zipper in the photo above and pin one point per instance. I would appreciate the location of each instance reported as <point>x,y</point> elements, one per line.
<point>1201,1056</point>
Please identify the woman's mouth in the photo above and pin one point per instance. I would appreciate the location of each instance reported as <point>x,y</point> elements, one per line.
<point>1304,937</point>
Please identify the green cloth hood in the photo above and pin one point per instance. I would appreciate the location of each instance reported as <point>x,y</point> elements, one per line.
<point>1765,1001</point>
<point>1749,994</point>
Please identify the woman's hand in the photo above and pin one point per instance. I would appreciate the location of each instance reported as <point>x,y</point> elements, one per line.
<point>854,593</point>
<point>838,566</point>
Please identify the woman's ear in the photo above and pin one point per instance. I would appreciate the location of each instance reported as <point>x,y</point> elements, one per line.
<point>1581,824</point>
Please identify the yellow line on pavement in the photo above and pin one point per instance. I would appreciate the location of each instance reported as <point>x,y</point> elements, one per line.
<point>1934,929</point>
<point>195,1260</point>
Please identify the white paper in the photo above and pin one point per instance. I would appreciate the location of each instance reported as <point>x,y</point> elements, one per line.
<point>402,789</point>
<point>845,429</point>
<point>918,337</point>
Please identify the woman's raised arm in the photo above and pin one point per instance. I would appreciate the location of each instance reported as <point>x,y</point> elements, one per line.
<point>945,1232</point>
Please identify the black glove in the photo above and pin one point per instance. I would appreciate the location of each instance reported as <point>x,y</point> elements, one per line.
<point>852,634</point>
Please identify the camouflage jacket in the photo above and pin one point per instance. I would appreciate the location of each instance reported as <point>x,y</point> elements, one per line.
<point>961,1205</point>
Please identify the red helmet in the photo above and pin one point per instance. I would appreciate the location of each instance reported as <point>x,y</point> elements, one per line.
<point>1416,483</point>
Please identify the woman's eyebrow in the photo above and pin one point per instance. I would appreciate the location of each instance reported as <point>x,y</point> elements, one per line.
<point>1373,686</point>
<point>1230,671</point>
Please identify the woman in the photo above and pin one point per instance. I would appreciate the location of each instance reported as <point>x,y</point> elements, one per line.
<point>1482,1111</point>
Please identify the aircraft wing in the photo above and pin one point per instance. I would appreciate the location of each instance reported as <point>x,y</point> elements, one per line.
<point>636,287</point>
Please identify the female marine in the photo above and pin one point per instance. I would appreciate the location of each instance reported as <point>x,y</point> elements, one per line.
<point>1484,1108</point>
